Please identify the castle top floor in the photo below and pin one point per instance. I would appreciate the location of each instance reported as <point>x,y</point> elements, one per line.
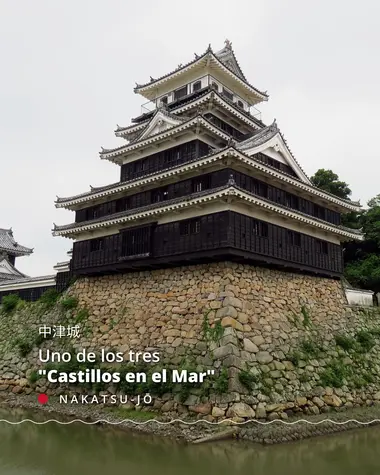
<point>219,71</point>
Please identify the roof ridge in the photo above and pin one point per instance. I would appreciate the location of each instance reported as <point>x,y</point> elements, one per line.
<point>198,58</point>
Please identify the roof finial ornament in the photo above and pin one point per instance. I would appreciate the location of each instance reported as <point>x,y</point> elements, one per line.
<point>209,49</point>
<point>228,44</point>
<point>196,56</point>
<point>151,79</point>
<point>231,142</point>
<point>231,180</point>
<point>200,109</point>
<point>179,66</point>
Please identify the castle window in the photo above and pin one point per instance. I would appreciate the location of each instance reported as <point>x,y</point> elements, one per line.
<point>196,86</point>
<point>200,184</point>
<point>319,212</point>
<point>322,247</point>
<point>294,238</point>
<point>214,86</point>
<point>240,104</point>
<point>96,245</point>
<point>192,226</point>
<point>228,94</point>
<point>259,228</point>
<point>179,93</point>
<point>164,100</point>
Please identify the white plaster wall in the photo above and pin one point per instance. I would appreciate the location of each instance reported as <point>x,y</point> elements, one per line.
<point>359,297</point>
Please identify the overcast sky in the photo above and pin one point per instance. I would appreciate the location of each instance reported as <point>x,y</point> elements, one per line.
<point>67,72</point>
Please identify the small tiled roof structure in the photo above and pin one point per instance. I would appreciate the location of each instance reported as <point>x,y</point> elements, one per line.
<point>9,246</point>
<point>9,271</point>
<point>226,57</point>
<point>25,279</point>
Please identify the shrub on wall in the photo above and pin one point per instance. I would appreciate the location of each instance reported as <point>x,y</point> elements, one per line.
<point>49,298</point>
<point>10,302</point>
<point>69,303</point>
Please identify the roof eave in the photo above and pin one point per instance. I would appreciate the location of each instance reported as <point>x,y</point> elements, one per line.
<point>144,88</point>
<point>231,190</point>
<point>72,203</point>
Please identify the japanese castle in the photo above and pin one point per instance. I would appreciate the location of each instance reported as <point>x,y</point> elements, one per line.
<point>9,250</point>
<point>203,179</point>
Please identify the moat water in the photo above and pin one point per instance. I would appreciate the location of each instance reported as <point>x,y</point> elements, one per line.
<point>53,449</point>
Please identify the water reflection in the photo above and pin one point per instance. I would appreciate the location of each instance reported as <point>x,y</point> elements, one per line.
<point>52,449</point>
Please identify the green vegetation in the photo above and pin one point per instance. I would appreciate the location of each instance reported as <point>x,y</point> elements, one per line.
<point>10,302</point>
<point>362,259</point>
<point>210,333</point>
<point>365,340</point>
<point>375,332</point>
<point>304,377</point>
<point>49,298</point>
<point>24,346</point>
<point>295,357</point>
<point>329,181</point>
<point>347,343</point>
<point>247,379</point>
<point>34,377</point>
<point>334,374</point>
<point>221,382</point>
<point>81,316</point>
<point>310,348</point>
<point>69,303</point>
<point>306,317</point>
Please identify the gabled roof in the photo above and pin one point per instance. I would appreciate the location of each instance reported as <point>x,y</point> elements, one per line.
<point>224,59</point>
<point>271,136</point>
<point>227,56</point>
<point>208,95</point>
<point>199,120</point>
<point>10,246</point>
<point>8,271</point>
<point>161,121</point>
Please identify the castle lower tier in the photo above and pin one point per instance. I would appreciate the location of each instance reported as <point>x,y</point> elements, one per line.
<point>226,235</point>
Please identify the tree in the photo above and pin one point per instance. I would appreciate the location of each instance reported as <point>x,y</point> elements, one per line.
<point>329,181</point>
<point>365,273</point>
<point>363,258</point>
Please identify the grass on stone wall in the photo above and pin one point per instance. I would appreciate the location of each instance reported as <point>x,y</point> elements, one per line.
<point>34,377</point>
<point>69,303</point>
<point>212,333</point>
<point>311,348</point>
<point>49,298</point>
<point>335,373</point>
<point>248,379</point>
<point>347,343</point>
<point>10,302</point>
<point>365,340</point>
<point>24,346</point>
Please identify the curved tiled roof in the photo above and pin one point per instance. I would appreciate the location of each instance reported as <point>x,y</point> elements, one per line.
<point>198,119</point>
<point>230,189</point>
<point>26,280</point>
<point>120,186</point>
<point>10,246</point>
<point>207,94</point>
<point>209,52</point>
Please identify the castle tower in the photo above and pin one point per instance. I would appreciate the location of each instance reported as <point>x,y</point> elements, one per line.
<point>202,178</point>
<point>9,250</point>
